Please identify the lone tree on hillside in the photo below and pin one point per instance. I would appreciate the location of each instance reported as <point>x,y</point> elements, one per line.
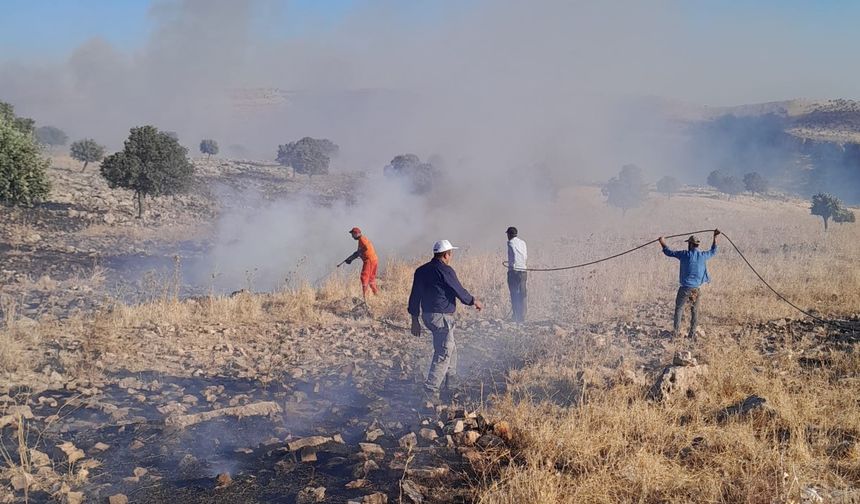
<point>418,175</point>
<point>716,179</point>
<point>23,124</point>
<point>87,151</point>
<point>668,186</point>
<point>23,179</point>
<point>828,206</point>
<point>209,147</point>
<point>308,156</point>
<point>152,163</point>
<point>51,136</point>
<point>725,183</point>
<point>627,190</point>
<point>755,183</point>
<point>732,186</point>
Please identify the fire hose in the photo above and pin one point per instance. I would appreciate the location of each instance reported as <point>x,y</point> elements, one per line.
<point>738,250</point>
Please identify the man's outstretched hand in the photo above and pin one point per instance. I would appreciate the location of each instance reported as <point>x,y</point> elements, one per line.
<point>662,241</point>
<point>416,327</point>
<point>717,233</point>
<point>478,305</point>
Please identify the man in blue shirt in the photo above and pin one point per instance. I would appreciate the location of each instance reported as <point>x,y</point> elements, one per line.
<point>694,273</point>
<point>435,291</point>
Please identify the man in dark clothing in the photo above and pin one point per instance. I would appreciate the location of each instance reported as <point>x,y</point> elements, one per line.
<point>435,290</point>
<point>694,273</point>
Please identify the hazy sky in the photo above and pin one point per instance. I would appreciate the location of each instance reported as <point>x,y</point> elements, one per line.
<point>727,51</point>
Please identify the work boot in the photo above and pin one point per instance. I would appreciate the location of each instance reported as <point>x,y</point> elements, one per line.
<point>431,396</point>
<point>452,387</point>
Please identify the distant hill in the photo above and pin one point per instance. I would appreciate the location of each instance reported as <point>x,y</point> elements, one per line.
<point>835,121</point>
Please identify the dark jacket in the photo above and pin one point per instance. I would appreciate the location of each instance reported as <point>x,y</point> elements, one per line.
<point>435,289</point>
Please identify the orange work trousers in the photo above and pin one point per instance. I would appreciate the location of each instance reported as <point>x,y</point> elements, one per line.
<point>368,276</point>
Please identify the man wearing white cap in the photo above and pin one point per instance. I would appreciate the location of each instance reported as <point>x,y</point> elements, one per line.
<point>435,290</point>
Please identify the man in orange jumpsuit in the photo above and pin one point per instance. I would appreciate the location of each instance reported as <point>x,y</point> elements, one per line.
<point>370,262</point>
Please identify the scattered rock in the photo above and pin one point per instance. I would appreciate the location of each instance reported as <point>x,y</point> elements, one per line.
<point>310,441</point>
<point>409,441</point>
<point>372,449</point>
<point>21,481</point>
<point>359,483</point>
<point>39,459</point>
<point>373,435</point>
<point>75,497</point>
<point>308,454</point>
<point>264,408</point>
<point>311,495</point>
<point>428,434</point>
<point>375,498</point>
<point>72,452</point>
<point>470,437</point>
<point>810,495</point>
<point>684,358</point>
<point>118,499</point>
<point>100,447</point>
<point>413,491</point>
<point>490,441</point>
<point>746,407</point>
<point>13,413</point>
<point>677,381</point>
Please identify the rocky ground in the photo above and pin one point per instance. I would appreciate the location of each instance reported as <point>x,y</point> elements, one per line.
<point>85,247</point>
<point>279,412</point>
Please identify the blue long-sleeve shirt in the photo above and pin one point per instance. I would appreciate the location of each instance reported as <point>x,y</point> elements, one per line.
<point>694,267</point>
<point>435,289</point>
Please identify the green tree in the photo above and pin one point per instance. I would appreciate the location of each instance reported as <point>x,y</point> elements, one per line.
<point>87,151</point>
<point>420,176</point>
<point>627,190</point>
<point>23,124</point>
<point>209,147</point>
<point>23,177</point>
<point>716,179</point>
<point>732,186</point>
<point>828,206</point>
<point>755,183</point>
<point>668,186</point>
<point>308,156</point>
<point>843,216</point>
<point>152,163</point>
<point>51,136</point>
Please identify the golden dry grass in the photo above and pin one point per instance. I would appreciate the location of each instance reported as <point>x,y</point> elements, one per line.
<point>610,445</point>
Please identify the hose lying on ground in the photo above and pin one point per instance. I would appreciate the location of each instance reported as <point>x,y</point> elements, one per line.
<point>757,274</point>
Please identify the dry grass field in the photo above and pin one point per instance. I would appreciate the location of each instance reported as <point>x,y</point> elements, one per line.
<point>583,428</point>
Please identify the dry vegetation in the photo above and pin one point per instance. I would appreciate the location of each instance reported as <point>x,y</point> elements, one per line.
<point>583,428</point>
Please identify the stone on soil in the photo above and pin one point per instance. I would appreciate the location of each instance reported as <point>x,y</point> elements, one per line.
<point>264,408</point>
<point>118,499</point>
<point>375,498</point>
<point>413,491</point>
<point>372,449</point>
<point>310,441</point>
<point>311,495</point>
<point>408,441</point>
<point>677,381</point>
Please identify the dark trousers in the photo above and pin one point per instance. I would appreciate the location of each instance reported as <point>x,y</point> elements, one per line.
<point>687,295</point>
<point>519,293</point>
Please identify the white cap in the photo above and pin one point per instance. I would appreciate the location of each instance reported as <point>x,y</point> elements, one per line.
<point>443,246</point>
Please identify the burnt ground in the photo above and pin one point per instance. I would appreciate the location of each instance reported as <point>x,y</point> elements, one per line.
<point>122,424</point>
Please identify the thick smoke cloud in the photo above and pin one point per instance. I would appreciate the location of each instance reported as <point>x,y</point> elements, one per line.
<point>520,98</point>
